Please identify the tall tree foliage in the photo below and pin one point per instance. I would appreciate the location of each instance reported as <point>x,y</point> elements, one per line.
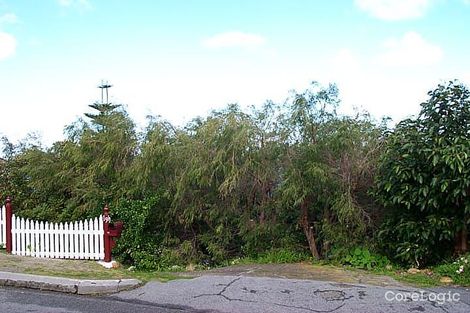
<point>424,179</point>
<point>75,177</point>
<point>290,176</point>
<point>329,167</point>
<point>221,185</point>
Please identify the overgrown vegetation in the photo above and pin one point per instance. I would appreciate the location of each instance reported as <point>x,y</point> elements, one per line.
<point>280,183</point>
<point>363,258</point>
<point>424,180</point>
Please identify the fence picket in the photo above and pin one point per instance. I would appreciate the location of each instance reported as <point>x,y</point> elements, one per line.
<point>66,240</point>
<point>18,236</point>
<point>56,240</point>
<point>86,240</point>
<point>23,237</point>
<point>101,238</point>
<point>41,239</point>
<point>81,250</point>
<point>3,232</point>
<point>75,240</point>
<point>47,241</point>
<point>36,238</point>
<point>32,235</point>
<point>72,242</point>
<point>71,248</point>
<point>96,240</point>
<point>61,241</point>
<point>27,233</point>
<point>51,240</point>
<point>14,233</point>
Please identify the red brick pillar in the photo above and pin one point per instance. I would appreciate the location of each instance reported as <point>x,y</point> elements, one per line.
<point>107,237</point>
<point>8,214</point>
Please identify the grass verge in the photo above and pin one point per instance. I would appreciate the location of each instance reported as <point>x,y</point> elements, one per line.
<point>78,269</point>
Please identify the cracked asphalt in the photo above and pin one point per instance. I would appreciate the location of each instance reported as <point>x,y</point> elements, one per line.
<point>263,294</point>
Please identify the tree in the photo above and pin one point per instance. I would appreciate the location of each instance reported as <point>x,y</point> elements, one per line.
<point>424,179</point>
<point>329,167</point>
<point>75,177</point>
<point>286,179</point>
<point>96,158</point>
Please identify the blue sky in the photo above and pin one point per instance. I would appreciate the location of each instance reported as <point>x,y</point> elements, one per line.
<point>182,58</point>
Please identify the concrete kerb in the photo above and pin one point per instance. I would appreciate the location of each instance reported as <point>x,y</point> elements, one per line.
<point>67,285</point>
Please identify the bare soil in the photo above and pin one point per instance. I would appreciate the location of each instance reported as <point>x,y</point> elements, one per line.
<point>301,271</point>
<point>91,269</point>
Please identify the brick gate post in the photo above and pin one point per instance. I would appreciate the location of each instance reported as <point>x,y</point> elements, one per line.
<point>107,237</point>
<point>8,214</point>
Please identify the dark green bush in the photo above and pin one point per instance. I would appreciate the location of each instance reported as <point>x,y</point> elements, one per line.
<point>143,235</point>
<point>423,180</point>
<point>413,242</point>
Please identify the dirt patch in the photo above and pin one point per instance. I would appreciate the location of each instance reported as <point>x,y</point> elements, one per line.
<point>91,269</point>
<point>302,271</point>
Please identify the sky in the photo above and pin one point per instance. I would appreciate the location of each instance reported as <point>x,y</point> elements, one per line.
<point>183,58</point>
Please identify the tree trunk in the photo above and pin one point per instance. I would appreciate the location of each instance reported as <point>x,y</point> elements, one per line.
<point>308,230</point>
<point>464,240</point>
<point>461,241</point>
<point>262,217</point>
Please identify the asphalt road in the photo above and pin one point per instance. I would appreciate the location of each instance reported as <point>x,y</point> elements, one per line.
<point>240,294</point>
<point>34,301</point>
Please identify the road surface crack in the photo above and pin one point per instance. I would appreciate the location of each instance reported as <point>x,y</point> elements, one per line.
<point>221,293</point>
<point>224,289</point>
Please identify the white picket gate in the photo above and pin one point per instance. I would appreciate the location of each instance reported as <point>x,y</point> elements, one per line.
<point>3,230</point>
<point>74,240</point>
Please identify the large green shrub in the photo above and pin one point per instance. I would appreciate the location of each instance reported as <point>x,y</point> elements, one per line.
<point>142,239</point>
<point>424,179</point>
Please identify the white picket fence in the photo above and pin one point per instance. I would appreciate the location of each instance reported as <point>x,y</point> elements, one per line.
<point>3,230</point>
<point>74,240</point>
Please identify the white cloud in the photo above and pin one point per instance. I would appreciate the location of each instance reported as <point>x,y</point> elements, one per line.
<point>394,9</point>
<point>234,39</point>
<point>7,45</point>
<point>65,3</point>
<point>410,50</point>
<point>345,62</point>
<point>465,78</point>
<point>9,18</point>
<point>80,4</point>
<point>365,84</point>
